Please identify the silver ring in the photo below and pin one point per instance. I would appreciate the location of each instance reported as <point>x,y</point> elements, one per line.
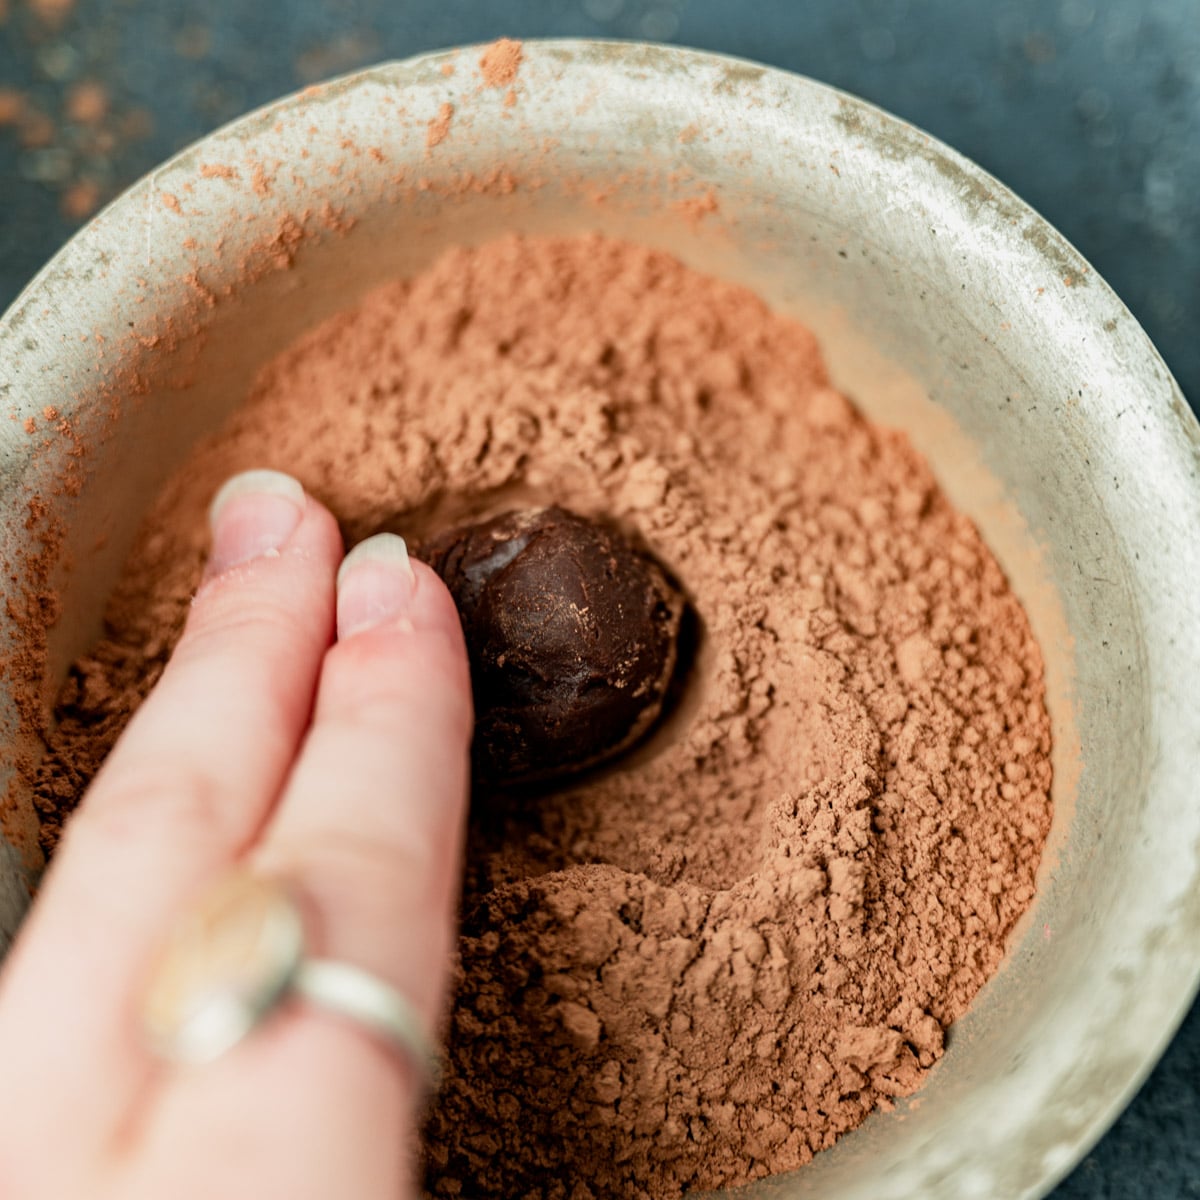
<point>237,955</point>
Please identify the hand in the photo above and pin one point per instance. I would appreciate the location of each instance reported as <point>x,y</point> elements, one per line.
<point>340,763</point>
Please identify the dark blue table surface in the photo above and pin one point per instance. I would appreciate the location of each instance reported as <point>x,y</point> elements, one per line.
<point>1088,109</point>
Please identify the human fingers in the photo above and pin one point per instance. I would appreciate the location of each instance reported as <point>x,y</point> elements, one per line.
<point>378,845</point>
<point>186,789</point>
<point>369,830</point>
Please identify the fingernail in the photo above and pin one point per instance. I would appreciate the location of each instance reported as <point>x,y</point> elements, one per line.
<point>253,514</point>
<point>375,584</point>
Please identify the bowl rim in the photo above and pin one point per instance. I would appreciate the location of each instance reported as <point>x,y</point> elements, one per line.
<point>76,264</point>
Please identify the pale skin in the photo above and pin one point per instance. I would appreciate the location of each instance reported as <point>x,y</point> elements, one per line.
<point>308,726</point>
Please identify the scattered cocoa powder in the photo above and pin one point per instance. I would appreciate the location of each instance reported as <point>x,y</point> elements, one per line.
<point>496,181</point>
<point>439,126</point>
<point>87,103</point>
<point>260,180</point>
<point>32,605</point>
<point>12,106</point>
<point>695,208</point>
<point>52,12</point>
<point>704,964</point>
<point>500,63</point>
<point>75,120</point>
<point>35,129</point>
<point>80,200</point>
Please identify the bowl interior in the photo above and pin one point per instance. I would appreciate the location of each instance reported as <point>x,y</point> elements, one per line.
<point>945,307</point>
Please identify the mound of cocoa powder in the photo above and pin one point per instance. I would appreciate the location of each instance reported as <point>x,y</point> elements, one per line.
<point>703,964</point>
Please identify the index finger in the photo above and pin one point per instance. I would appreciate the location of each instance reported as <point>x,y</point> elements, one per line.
<point>369,831</point>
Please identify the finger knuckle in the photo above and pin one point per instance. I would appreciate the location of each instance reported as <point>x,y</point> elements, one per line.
<point>351,870</point>
<point>255,618</point>
<point>189,804</point>
<point>394,690</point>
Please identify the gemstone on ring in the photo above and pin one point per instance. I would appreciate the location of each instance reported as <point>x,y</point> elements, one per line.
<point>228,961</point>
<point>237,954</point>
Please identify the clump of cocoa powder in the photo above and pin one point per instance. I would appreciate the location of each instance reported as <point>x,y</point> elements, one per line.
<point>500,62</point>
<point>704,964</point>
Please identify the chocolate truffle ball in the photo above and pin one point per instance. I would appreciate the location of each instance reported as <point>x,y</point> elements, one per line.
<point>572,635</point>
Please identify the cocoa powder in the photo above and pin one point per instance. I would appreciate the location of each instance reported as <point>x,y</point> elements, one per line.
<point>500,62</point>
<point>439,127</point>
<point>704,964</point>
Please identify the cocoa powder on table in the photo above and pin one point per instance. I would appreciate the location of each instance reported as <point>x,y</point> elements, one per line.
<point>705,963</point>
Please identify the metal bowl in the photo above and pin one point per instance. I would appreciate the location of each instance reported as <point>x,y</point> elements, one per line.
<point>946,306</point>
